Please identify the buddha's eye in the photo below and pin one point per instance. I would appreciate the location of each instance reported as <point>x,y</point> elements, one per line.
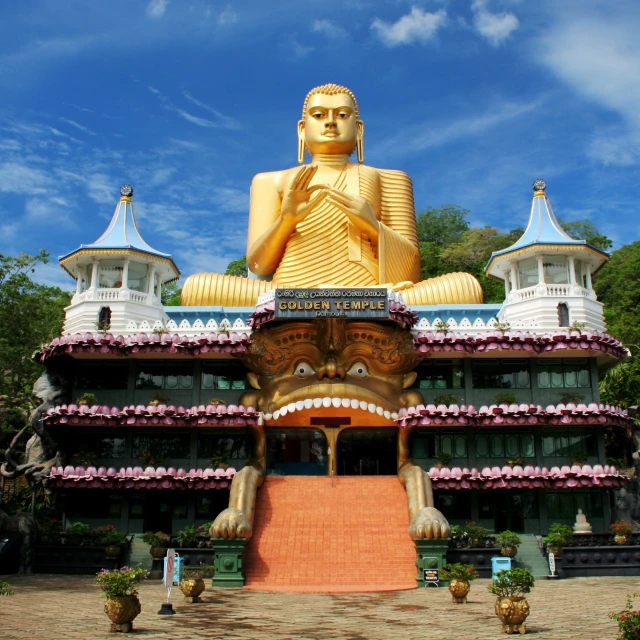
<point>304,370</point>
<point>358,370</point>
<point>343,114</point>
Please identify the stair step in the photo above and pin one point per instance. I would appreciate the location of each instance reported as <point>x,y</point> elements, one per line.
<point>315,537</point>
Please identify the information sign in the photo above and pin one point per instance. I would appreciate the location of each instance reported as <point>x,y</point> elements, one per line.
<point>170,565</point>
<point>552,564</point>
<point>341,302</point>
<point>431,576</point>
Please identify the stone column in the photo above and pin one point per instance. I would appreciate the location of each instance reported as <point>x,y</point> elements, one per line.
<point>125,274</point>
<point>152,279</point>
<point>514,276</point>
<point>94,273</point>
<point>540,270</point>
<point>79,282</point>
<point>507,287</point>
<point>589,284</point>
<point>159,288</point>
<point>572,270</point>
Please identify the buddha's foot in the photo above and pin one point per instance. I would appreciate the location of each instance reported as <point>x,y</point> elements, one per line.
<point>231,523</point>
<point>429,523</point>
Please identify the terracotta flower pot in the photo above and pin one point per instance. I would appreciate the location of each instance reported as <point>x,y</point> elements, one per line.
<point>509,551</point>
<point>192,588</point>
<point>476,543</point>
<point>556,550</point>
<point>622,538</point>
<point>512,613</point>
<point>157,553</point>
<point>112,550</point>
<point>122,610</point>
<point>459,590</point>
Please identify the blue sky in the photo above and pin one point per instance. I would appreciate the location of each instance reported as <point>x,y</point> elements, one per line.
<point>188,99</point>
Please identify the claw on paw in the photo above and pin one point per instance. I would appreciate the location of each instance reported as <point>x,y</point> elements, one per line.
<point>231,523</point>
<point>429,523</point>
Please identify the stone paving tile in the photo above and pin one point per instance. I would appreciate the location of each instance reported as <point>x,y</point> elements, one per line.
<point>71,607</point>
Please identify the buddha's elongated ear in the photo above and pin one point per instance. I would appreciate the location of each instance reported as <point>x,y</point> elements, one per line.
<point>360,141</point>
<point>300,141</point>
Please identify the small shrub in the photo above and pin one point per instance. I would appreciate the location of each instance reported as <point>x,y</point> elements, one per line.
<point>78,529</point>
<point>621,528</point>
<point>441,325</point>
<point>5,590</point>
<point>505,398</point>
<point>579,457</point>
<point>189,536</point>
<point>512,583</point>
<point>459,571</point>
<point>88,399</point>
<point>193,573</point>
<point>508,539</point>
<point>121,582</point>
<point>577,326</point>
<point>560,535</point>
<point>108,535</point>
<point>501,326</point>
<point>447,398</point>
<point>570,398</point>
<point>517,462</point>
<point>443,458</point>
<point>628,621</point>
<point>160,398</point>
<point>157,539</point>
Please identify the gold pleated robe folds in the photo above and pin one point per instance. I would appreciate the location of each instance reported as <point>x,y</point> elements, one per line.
<point>326,249</point>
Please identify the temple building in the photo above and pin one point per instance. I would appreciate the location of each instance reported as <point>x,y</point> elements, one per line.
<point>319,425</point>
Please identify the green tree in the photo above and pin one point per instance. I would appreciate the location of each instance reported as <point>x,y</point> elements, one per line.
<point>586,230</point>
<point>237,268</point>
<point>170,296</point>
<point>30,315</point>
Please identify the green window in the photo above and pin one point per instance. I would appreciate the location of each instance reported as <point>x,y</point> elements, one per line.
<point>562,442</point>
<point>505,445</point>
<point>168,375</point>
<point>501,374</point>
<point>564,374</point>
<point>428,443</point>
<point>156,449</point>
<point>565,504</point>
<point>440,374</point>
<point>104,375</point>
<point>225,375</point>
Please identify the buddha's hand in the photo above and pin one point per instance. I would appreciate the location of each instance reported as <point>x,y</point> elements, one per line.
<point>297,202</point>
<point>357,209</point>
<point>429,523</point>
<point>231,523</point>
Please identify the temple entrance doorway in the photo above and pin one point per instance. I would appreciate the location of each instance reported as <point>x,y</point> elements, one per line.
<point>506,508</point>
<point>157,511</point>
<point>297,451</point>
<point>368,452</point>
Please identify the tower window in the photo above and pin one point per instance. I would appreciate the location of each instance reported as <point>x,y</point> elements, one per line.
<point>563,315</point>
<point>104,318</point>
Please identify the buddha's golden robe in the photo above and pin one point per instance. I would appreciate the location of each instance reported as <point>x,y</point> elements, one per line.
<point>326,249</point>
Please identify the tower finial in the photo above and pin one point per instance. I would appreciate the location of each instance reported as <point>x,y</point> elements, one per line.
<point>126,191</point>
<point>539,186</point>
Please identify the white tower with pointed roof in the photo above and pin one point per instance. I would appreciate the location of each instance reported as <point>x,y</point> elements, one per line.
<point>119,277</point>
<point>547,274</point>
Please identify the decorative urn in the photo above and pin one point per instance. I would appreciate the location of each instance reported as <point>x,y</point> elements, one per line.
<point>459,590</point>
<point>122,610</point>
<point>192,588</point>
<point>512,611</point>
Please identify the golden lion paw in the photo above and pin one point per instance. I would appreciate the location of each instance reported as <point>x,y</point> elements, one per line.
<point>231,523</point>
<point>429,523</point>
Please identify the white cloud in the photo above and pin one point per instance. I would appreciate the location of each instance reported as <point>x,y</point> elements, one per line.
<point>327,28</point>
<point>495,27</point>
<point>16,177</point>
<point>77,125</point>
<point>100,188</point>
<point>300,50</point>
<point>416,26</point>
<point>598,57</point>
<point>157,8</point>
<point>228,16</point>
<point>224,122</point>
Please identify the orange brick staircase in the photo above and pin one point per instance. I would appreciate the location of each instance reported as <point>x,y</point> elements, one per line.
<point>312,537</point>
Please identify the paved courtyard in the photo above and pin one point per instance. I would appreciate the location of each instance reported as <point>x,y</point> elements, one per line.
<point>52,607</point>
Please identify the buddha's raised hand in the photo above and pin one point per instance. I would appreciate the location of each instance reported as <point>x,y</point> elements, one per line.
<point>297,202</point>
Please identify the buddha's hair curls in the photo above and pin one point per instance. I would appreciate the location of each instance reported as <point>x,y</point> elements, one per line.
<point>330,90</point>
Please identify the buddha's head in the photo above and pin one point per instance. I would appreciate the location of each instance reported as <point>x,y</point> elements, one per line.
<point>359,370</point>
<point>330,123</point>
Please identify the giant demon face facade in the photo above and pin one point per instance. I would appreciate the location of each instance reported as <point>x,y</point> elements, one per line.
<point>331,368</point>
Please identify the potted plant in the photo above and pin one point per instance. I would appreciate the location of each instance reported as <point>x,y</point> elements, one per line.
<point>192,582</point>
<point>560,535</point>
<point>443,460</point>
<point>508,542</point>
<point>459,576</point>
<point>189,536</point>
<point>76,531</point>
<point>5,590</point>
<point>476,534</point>
<point>87,399</point>
<point>505,398</point>
<point>119,588</point>
<point>511,585</point>
<point>111,539</point>
<point>160,398</point>
<point>621,530</point>
<point>628,621</point>
<point>158,542</point>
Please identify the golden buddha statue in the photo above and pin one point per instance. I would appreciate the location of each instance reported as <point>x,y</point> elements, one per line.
<point>332,222</point>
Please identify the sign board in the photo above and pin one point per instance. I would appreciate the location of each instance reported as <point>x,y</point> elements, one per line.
<point>431,576</point>
<point>169,567</point>
<point>302,304</point>
<point>552,563</point>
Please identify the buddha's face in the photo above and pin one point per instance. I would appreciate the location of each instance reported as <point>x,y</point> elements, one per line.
<point>330,124</point>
